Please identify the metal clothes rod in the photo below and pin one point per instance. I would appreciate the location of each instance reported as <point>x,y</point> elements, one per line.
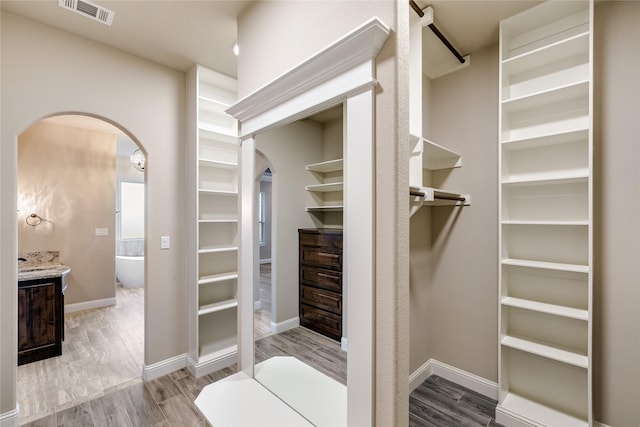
<point>437,32</point>
<point>445,196</point>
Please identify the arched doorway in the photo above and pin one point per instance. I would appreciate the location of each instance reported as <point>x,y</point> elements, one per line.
<point>70,174</point>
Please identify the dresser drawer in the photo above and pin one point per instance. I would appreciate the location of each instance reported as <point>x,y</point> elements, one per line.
<point>320,298</point>
<point>325,279</point>
<point>321,321</point>
<point>321,238</point>
<point>321,257</point>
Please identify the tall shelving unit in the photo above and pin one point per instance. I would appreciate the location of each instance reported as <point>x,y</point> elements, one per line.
<point>546,182</point>
<point>212,239</point>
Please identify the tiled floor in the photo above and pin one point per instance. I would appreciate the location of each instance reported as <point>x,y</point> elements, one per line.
<point>103,350</point>
<point>90,386</point>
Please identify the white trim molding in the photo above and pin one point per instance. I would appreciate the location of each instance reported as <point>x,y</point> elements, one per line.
<point>265,261</point>
<point>11,418</point>
<point>208,366</point>
<point>88,305</point>
<point>344,344</point>
<point>466,379</point>
<point>285,325</point>
<point>164,367</point>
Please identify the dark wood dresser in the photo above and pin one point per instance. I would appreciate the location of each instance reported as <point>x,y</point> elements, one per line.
<point>320,272</point>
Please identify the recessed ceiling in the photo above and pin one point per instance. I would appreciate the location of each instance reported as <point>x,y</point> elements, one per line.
<point>176,33</point>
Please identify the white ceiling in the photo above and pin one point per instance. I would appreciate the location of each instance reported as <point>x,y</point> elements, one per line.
<point>181,33</point>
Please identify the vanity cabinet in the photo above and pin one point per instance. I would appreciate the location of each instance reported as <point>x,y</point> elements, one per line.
<point>320,277</point>
<point>40,319</point>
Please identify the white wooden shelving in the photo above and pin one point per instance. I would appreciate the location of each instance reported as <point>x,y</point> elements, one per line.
<point>546,181</point>
<point>427,155</point>
<point>212,240</point>
<point>330,192</point>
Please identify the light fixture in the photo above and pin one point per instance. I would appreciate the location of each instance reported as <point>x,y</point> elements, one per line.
<point>236,49</point>
<point>137,160</point>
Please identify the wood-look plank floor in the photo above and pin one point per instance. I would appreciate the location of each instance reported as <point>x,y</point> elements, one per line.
<point>168,401</point>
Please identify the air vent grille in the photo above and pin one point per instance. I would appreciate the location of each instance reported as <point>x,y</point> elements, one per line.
<point>89,9</point>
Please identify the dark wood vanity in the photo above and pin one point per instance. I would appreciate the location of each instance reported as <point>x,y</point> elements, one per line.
<point>320,274</point>
<point>40,319</point>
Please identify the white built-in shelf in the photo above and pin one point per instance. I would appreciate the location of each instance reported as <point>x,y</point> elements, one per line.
<point>547,54</point>
<point>548,139</point>
<point>557,310</point>
<point>567,177</point>
<point>217,306</point>
<point>217,164</point>
<point>216,278</point>
<point>576,268</point>
<point>218,221</point>
<point>435,156</point>
<point>213,102</point>
<point>328,208</point>
<point>217,192</point>
<point>216,350</point>
<point>559,223</point>
<point>546,97</point>
<point>542,414</point>
<point>325,167</point>
<point>324,188</point>
<point>218,249</point>
<point>550,352</point>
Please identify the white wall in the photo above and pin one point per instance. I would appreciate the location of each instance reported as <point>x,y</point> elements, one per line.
<point>47,71</point>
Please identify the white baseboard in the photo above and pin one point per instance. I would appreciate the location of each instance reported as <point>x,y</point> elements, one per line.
<point>458,376</point>
<point>204,368</point>
<point>11,418</point>
<point>344,344</point>
<point>265,261</point>
<point>164,367</point>
<point>87,305</point>
<point>285,325</point>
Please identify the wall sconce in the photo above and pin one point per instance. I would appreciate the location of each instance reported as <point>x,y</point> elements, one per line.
<point>137,160</point>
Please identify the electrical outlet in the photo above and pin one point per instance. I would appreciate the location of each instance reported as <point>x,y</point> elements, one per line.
<point>165,242</point>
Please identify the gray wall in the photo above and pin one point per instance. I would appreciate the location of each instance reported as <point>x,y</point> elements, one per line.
<point>47,71</point>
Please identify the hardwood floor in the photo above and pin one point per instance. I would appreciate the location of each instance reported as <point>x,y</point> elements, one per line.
<point>168,401</point>
<point>102,350</point>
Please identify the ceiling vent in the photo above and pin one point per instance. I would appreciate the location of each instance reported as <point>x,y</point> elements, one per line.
<point>89,9</point>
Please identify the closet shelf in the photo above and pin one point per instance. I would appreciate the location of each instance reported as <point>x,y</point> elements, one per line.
<point>542,307</point>
<point>547,54</point>
<point>217,103</point>
<point>217,350</point>
<point>572,135</point>
<point>328,208</point>
<point>544,415</point>
<point>214,128</point>
<point>324,188</point>
<point>559,223</point>
<point>546,97</point>
<point>217,306</point>
<point>328,166</point>
<point>561,355</point>
<point>204,191</point>
<point>576,268</point>
<point>577,176</point>
<point>216,278</point>
<point>217,164</point>
<point>220,221</point>
<point>217,249</point>
<point>434,156</point>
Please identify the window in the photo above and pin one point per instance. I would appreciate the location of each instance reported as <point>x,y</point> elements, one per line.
<point>261,217</point>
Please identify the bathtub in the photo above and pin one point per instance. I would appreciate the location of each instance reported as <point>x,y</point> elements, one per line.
<point>130,270</point>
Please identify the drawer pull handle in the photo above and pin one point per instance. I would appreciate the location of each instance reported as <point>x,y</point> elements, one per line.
<point>328,255</point>
<point>329,297</point>
<point>328,276</point>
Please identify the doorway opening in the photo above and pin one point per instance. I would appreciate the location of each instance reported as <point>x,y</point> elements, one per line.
<point>71,171</point>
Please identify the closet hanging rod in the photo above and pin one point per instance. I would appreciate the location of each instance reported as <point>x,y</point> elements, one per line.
<point>437,32</point>
<point>438,195</point>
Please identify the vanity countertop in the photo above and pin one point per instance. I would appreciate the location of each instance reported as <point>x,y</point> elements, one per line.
<point>43,271</point>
